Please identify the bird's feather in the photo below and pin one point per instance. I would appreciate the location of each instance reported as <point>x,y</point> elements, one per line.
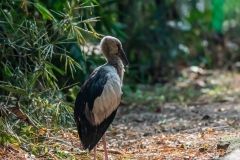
<point>96,104</point>
<point>110,98</point>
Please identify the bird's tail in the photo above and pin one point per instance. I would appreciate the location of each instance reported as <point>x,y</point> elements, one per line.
<point>90,134</point>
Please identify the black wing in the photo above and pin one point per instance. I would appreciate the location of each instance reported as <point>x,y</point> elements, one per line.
<point>92,88</point>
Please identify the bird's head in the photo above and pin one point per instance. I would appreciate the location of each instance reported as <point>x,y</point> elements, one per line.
<point>111,46</point>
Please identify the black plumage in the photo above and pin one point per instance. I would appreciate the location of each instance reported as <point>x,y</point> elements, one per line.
<point>99,98</point>
<point>92,88</point>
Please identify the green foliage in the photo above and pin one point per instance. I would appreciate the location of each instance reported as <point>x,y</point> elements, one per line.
<point>161,37</point>
<point>36,41</point>
<point>44,12</point>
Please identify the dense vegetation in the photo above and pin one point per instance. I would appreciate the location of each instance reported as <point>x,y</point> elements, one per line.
<point>36,63</point>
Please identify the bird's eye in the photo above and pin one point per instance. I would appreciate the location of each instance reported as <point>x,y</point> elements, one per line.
<point>119,49</point>
<point>118,45</point>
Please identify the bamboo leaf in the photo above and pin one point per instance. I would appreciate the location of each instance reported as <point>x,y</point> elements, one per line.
<point>50,73</point>
<point>44,11</point>
<point>83,7</point>
<point>7,70</point>
<point>36,75</point>
<point>68,5</point>
<point>66,64</point>
<point>7,19</point>
<point>14,89</point>
<point>50,65</point>
<point>50,81</point>
<point>76,63</point>
<point>71,70</point>
<point>20,114</point>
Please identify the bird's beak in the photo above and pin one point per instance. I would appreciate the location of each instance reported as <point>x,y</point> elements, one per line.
<point>123,57</point>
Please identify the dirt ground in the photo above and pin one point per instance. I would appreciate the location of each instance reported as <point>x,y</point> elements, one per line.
<point>178,132</point>
<point>192,132</point>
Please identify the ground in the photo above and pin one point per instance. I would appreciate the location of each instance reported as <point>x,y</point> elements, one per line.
<point>206,128</point>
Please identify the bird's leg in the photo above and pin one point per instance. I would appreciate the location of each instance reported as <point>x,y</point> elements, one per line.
<point>95,148</point>
<point>105,146</point>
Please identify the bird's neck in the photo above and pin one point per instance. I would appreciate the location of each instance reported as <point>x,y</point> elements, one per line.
<point>115,61</point>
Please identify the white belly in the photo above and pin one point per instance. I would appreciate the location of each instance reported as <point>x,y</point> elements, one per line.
<point>110,98</point>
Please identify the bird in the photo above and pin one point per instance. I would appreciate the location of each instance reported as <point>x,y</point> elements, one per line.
<point>99,98</point>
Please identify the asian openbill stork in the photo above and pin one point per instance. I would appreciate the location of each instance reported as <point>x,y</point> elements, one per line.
<point>98,100</point>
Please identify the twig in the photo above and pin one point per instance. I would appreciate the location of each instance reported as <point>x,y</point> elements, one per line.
<point>110,151</point>
<point>69,86</point>
<point>3,82</point>
<point>62,141</point>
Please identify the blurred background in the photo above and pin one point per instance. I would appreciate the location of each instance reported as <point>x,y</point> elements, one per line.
<point>163,37</point>
<point>172,46</point>
<point>180,51</point>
